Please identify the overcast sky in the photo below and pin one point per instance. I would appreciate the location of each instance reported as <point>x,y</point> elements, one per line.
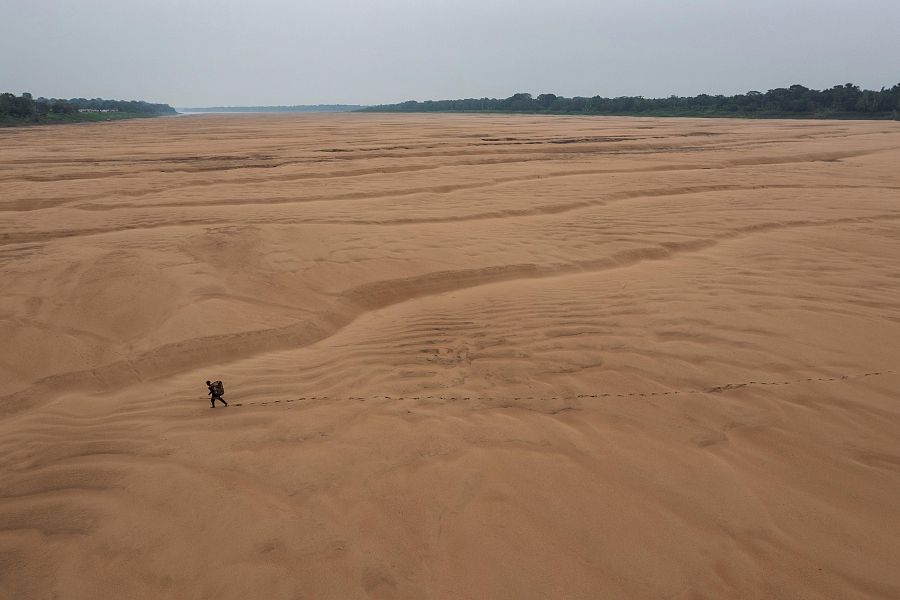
<point>258,52</point>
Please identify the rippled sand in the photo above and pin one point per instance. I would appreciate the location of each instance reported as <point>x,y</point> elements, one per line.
<point>486,357</point>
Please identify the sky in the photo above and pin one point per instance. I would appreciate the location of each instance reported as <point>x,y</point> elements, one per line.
<point>191,53</point>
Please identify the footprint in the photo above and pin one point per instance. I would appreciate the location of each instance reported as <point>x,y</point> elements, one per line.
<point>379,584</point>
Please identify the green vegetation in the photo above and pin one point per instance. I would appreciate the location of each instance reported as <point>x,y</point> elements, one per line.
<point>840,102</point>
<point>24,110</point>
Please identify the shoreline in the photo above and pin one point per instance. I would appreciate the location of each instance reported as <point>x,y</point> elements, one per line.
<point>100,118</point>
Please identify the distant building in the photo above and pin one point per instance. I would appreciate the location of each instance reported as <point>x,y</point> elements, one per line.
<point>97,110</point>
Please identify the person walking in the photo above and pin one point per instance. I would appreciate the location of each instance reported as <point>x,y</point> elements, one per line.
<point>214,394</point>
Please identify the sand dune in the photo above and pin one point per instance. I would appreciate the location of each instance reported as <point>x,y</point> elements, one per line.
<point>466,356</point>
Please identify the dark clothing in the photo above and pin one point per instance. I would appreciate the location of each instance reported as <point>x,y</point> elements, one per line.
<point>214,395</point>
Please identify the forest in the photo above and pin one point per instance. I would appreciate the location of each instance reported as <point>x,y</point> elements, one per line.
<point>846,101</point>
<point>25,109</point>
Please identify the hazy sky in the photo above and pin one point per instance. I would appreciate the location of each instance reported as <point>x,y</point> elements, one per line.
<point>214,52</point>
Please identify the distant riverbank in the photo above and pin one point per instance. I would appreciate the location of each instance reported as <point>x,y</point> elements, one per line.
<point>846,101</point>
<point>300,108</point>
<point>24,110</point>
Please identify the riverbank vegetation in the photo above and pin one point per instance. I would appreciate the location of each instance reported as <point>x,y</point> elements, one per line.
<point>27,110</point>
<point>846,101</point>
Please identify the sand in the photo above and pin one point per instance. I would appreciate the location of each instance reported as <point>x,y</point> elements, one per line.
<point>473,357</point>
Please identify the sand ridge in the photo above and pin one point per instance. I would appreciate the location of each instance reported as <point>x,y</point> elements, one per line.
<point>537,357</point>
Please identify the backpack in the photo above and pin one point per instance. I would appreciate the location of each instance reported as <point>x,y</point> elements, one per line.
<point>218,387</point>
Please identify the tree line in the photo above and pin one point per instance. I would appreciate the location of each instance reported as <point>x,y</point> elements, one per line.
<point>840,101</point>
<point>27,109</point>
